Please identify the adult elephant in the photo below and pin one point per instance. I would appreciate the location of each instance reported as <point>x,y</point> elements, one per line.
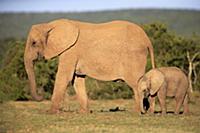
<point>106,51</point>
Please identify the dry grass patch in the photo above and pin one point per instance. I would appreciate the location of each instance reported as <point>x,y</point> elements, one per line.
<point>23,117</point>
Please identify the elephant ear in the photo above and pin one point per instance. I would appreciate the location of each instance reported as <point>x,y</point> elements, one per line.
<point>62,36</point>
<point>156,80</point>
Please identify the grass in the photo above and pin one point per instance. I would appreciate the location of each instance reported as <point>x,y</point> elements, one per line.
<point>24,117</point>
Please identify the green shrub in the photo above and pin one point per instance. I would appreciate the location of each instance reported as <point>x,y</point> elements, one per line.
<point>107,90</point>
<point>12,75</point>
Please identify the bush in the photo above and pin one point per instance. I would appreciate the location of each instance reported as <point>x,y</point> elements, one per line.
<point>107,90</point>
<point>12,76</point>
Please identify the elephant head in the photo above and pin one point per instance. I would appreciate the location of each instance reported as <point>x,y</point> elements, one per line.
<point>149,84</point>
<point>47,40</point>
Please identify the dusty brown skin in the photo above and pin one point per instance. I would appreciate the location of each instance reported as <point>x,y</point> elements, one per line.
<point>107,51</point>
<point>165,81</point>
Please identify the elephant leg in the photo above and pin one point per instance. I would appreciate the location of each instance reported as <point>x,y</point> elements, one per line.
<point>63,77</point>
<point>185,105</point>
<point>152,104</point>
<point>137,101</point>
<point>134,70</point>
<point>179,102</point>
<point>79,86</point>
<point>162,100</point>
<point>137,107</point>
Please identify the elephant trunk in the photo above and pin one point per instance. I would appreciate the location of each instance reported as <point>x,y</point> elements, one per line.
<point>31,76</point>
<point>141,97</point>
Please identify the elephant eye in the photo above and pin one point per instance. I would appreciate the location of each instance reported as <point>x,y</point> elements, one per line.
<point>144,90</point>
<point>34,44</point>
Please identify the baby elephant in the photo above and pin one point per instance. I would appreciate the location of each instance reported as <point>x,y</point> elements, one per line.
<point>165,81</point>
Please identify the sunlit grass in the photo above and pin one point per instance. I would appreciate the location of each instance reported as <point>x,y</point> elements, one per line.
<point>24,117</point>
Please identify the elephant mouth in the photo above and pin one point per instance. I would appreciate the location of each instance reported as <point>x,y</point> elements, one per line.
<point>39,57</point>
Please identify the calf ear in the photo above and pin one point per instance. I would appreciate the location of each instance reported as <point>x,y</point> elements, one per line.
<point>156,81</point>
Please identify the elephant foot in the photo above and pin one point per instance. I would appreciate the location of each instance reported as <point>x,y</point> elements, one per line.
<point>38,98</point>
<point>176,113</point>
<point>186,113</point>
<point>150,112</point>
<point>143,112</point>
<point>84,111</point>
<point>53,110</point>
<point>163,113</point>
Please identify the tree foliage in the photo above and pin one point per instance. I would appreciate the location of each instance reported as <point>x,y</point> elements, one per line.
<point>169,48</point>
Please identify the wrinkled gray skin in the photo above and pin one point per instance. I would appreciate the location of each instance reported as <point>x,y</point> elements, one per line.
<point>162,82</point>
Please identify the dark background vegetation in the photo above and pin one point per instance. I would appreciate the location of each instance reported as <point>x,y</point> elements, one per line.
<point>172,32</point>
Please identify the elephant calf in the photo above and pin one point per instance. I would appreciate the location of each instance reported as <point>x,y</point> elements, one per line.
<point>165,81</point>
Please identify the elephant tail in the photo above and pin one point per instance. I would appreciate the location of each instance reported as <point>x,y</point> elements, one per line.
<point>151,52</point>
<point>189,92</point>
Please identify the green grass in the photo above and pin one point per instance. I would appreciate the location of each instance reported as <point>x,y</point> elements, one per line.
<point>24,117</point>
